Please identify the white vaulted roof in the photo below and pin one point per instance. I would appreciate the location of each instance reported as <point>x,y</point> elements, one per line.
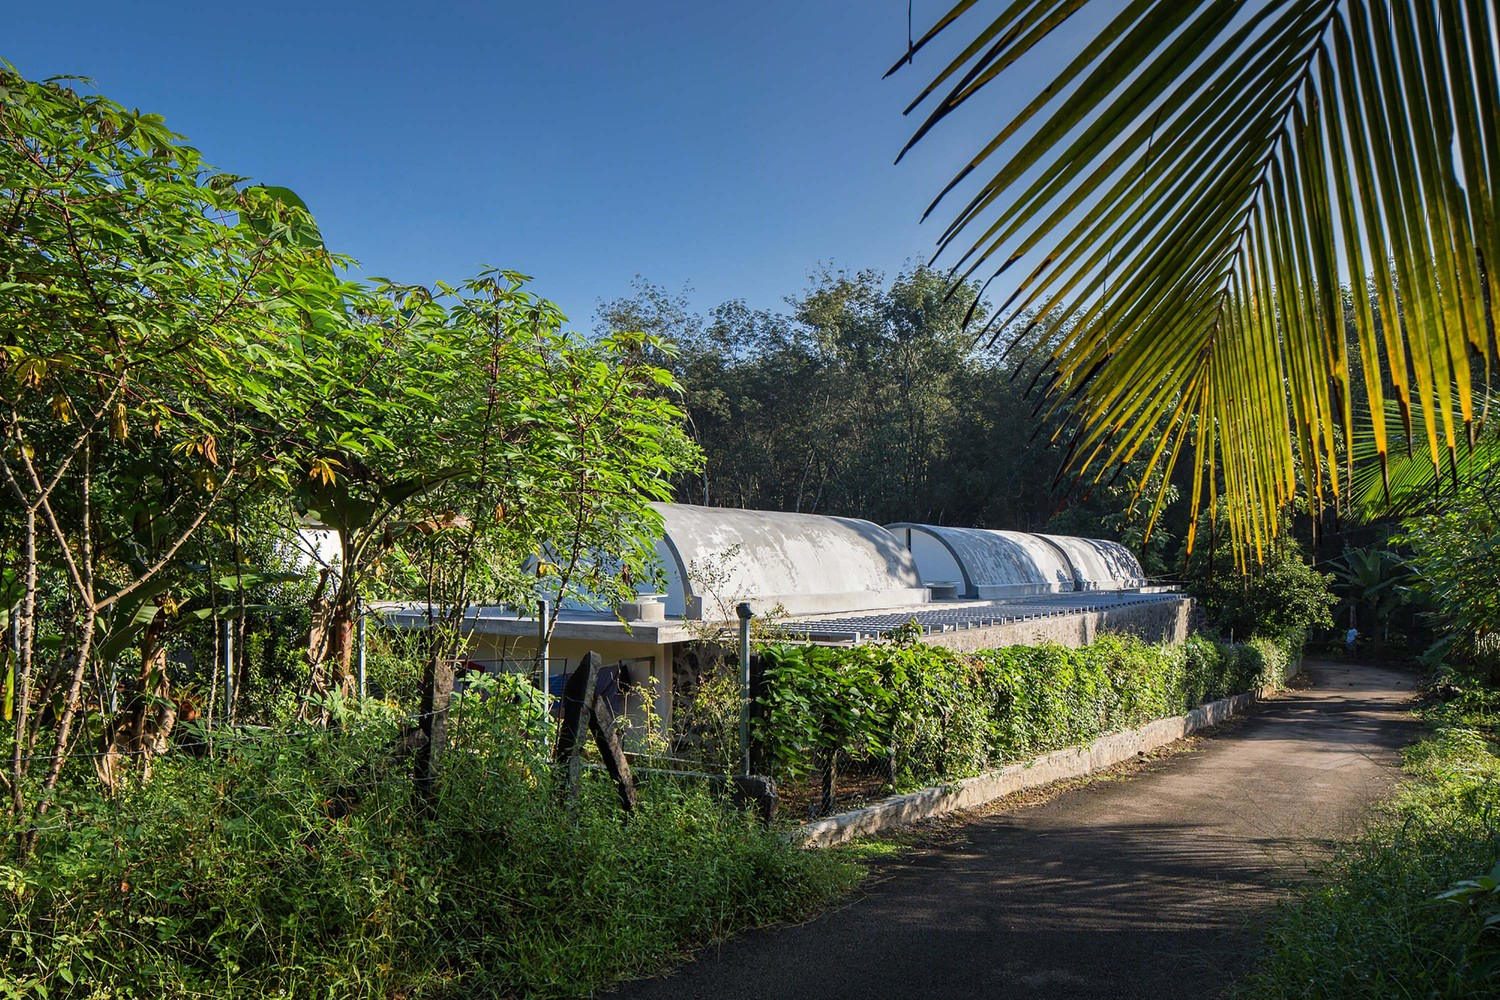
<point>1099,564</point>
<point>716,557</point>
<point>987,564</point>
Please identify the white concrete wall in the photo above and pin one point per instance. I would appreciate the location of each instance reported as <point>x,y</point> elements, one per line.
<point>318,547</point>
<point>934,562</point>
<point>988,564</point>
<point>1099,564</point>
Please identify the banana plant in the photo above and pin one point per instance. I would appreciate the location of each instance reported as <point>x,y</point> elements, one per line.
<point>1374,581</point>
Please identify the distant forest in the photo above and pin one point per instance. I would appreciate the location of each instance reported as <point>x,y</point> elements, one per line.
<point>867,398</point>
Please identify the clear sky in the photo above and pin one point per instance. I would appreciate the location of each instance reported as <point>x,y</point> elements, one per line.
<point>726,147</point>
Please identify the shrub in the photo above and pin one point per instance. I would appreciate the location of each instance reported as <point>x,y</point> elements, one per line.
<point>1410,908</point>
<point>1455,561</point>
<point>296,864</point>
<point>1283,598</point>
<point>941,714</point>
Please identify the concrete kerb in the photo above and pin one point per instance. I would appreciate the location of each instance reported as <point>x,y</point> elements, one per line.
<point>1059,765</point>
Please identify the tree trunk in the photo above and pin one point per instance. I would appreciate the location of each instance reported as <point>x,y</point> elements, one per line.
<point>437,691</point>
<point>26,660</point>
<point>329,650</point>
<point>144,730</point>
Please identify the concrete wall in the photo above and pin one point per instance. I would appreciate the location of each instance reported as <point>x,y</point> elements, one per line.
<point>1060,765</point>
<point>935,561</point>
<point>1156,621</point>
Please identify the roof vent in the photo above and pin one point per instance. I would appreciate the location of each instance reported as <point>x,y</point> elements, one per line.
<point>645,608</point>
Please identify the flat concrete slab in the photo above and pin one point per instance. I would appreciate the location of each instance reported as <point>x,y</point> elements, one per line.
<point>1153,886</point>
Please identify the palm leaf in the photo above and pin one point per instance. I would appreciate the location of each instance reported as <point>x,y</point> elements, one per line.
<point>1410,483</point>
<point>1183,203</point>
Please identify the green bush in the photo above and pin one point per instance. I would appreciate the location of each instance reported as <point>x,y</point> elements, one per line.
<point>1282,597</point>
<point>299,865</point>
<point>1455,562</point>
<point>938,714</point>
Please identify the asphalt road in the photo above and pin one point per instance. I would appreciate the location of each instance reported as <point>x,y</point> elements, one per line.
<point>1154,885</point>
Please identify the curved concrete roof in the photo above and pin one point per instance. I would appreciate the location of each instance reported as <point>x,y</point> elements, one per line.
<point>1099,564</point>
<point>715,557</point>
<point>989,564</point>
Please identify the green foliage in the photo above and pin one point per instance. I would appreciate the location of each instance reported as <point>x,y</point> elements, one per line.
<point>1408,483</point>
<point>1409,909</point>
<point>1373,578</point>
<point>1455,561</point>
<point>1283,598</point>
<point>866,398</point>
<point>942,714</point>
<point>184,375</point>
<point>706,717</point>
<point>293,863</point>
<point>1187,188</point>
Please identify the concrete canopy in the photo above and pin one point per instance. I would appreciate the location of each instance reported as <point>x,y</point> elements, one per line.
<point>1099,564</point>
<point>986,564</point>
<point>716,557</point>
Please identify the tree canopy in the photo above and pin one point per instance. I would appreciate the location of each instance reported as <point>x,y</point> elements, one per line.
<point>185,376</point>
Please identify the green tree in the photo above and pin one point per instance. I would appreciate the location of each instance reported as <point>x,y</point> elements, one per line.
<point>1455,562</point>
<point>868,399</point>
<point>148,305</point>
<point>182,371</point>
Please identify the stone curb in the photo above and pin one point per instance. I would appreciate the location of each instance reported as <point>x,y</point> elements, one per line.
<point>1059,765</point>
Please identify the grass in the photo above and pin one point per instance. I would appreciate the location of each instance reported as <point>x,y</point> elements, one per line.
<point>1395,919</point>
<point>233,877</point>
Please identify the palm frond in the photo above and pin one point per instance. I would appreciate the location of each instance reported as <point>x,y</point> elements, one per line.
<point>1189,195</point>
<point>1409,483</point>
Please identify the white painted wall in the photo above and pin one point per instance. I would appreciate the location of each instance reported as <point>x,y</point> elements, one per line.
<point>934,562</point>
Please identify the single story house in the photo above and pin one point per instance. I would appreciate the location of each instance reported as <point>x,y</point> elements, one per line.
<point>830,580</point>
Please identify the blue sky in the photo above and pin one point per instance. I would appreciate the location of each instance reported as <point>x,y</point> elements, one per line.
<point>730,148</point>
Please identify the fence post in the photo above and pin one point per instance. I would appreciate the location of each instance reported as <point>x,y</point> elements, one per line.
<point>759,758</point>
<point>578,700</point>
<point>584,710</point>
<point>543,655</point>
<point>830,782</point>
<point>745,614</point>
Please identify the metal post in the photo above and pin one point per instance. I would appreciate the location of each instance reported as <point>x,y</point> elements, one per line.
<point>359,631</point>
<point>543,648</point>
<point>745,614</point>
<point>228,666</point>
